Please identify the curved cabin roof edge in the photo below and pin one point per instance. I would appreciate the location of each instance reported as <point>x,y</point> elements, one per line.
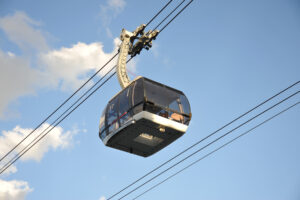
<point>142,77</point>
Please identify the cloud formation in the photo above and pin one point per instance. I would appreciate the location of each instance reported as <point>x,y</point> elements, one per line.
<point>17,79</point>
<point>72,65</point>
<point>56,139</point>
<point>65,68</point>
<point>24,31</point>
<point>14,190</point>
<point>109,11</point>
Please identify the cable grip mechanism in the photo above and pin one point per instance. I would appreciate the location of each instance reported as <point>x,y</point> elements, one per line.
<point>129,47</point>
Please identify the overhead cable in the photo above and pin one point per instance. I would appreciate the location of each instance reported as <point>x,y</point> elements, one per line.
<point>169,14</point>
<point>176,15</point>
<point>62,117</point>
<point>210,143</point>
<point>217,149</point>
<point>59,107</point>
<point>205,138</point>
<point>62,104</point>
<point>35,141</point>
<point>158,13</point>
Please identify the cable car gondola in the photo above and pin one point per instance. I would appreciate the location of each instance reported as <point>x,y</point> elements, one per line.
<point>145,116</point>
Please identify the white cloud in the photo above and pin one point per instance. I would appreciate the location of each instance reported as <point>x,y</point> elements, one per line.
<point>155,49</point>
<point>20,29</point>
<point>64,68</point>
<point>102,198</point>
<point>73,65</point>
<point>17,79</point>
<point>14,190</point>
<point>108,32</point>
<point>109,11</point>
<point>116,4</point>
<point>57,138</point>
<point>10,170</point>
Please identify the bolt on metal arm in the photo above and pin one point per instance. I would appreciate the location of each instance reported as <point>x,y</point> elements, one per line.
<point>145,41</point>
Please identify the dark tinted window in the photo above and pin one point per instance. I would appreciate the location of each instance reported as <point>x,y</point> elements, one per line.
<point>166,102</point>
<point>175,105</point>
<point>161,95</point>
<point>185,104</point>
<point>137,92</point>
<point>124,105</point>
<point>137,96</point>
<point>102,125</point>
<point>112,116</point>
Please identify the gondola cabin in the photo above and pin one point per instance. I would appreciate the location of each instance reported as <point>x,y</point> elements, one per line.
<point>144,117</point>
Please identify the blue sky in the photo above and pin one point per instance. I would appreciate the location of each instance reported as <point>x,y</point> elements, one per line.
<point>226,56</point>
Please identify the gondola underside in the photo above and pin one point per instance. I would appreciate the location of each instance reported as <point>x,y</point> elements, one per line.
<point>145,134</point>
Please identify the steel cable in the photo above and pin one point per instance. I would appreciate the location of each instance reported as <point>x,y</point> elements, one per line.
<point>56,122</point>
<point>205,138</point>
<point>61,105</point>
<point>210,143</point>
<point>217,149</point>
